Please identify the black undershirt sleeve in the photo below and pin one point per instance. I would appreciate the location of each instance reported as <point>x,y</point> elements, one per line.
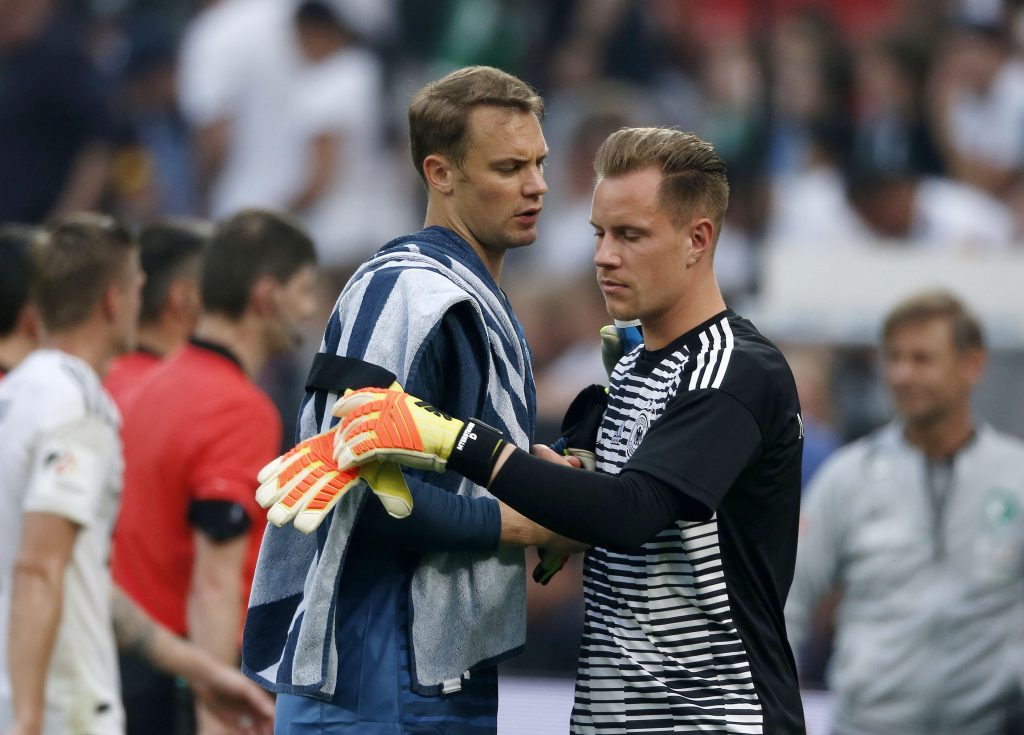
<point>615,512</point>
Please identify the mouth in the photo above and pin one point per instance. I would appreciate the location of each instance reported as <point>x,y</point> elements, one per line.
<point>609,287</point>
<point>528,216</point>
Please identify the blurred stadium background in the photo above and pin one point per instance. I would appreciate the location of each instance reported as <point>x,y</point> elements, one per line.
<point>874,147</point>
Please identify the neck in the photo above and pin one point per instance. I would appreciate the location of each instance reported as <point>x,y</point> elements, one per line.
<point>160,340</point>
<point>13,349</point>
<point>242,337</point>
<point>87,343</point>
<point>699,305</point>
<point>944,437</point>
<point>438,217</point>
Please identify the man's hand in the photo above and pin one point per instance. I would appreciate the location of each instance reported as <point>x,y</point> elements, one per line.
<point>393,426</point>
<point>304,484</point>
<point>235,704</point>
<point>551,561</point>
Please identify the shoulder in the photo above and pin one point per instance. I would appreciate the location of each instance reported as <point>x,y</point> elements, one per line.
<point>224,388</point>
<point>851,463</point>
<point>751,358</point>
<point>61,389</point>
<point>1000,443</point>
<point>400,292</point>
<point>739,361</point>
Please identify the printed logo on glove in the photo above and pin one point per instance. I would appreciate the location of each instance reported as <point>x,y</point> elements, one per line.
<point>393,426</point>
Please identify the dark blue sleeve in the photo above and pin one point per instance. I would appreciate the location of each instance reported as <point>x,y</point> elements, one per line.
<point>442,520</point>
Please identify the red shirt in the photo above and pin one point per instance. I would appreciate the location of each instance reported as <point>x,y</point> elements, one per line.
<point>126,373</point>
<point>201,431</point>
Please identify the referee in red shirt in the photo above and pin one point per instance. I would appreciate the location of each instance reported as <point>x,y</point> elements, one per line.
<point>186,544</point>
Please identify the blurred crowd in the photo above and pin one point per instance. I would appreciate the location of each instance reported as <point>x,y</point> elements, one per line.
<point>867,123</point>
<point>843,124</point>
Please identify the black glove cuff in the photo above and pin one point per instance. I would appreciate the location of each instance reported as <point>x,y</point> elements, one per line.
<point>476,451</point>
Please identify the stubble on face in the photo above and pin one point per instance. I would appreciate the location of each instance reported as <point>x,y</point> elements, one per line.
<point>925,372</point>
<point>637,247</point>
<point>295,304</point>
<point>501,184</point>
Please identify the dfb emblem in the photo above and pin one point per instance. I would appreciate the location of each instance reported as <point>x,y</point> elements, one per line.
<point>643,422</point>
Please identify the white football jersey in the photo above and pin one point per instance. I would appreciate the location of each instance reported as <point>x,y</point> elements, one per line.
<point>60,453</point>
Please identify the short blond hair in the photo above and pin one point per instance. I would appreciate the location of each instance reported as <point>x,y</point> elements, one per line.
<point>693,175</point>
<point>439,113</point>
<point>76,260</point>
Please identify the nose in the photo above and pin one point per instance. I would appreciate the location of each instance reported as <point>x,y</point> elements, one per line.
<point>899,371</point>
<point>535,184</point>
<point>605,253</point>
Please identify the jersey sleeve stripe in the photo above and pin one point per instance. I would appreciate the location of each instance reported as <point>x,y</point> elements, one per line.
<point>726,355</point>
<point>716,349</point>
<point>700,360</point>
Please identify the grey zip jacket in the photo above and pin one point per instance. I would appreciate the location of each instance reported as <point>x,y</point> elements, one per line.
<point>930,627</point>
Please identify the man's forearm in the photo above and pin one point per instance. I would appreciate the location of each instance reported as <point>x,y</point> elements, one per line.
<point>86,180</point>
<point>37,599</point>
<point>138,634</point>
<point>617,512</point>
<point>518,530</point>
<point>324,151</point>
<point>223,691</point>
<point>215,598</point>
<point>441,520</point>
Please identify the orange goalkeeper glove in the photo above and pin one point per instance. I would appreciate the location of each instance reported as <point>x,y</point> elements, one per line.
<point>393,426</point>
<point>304,484</point>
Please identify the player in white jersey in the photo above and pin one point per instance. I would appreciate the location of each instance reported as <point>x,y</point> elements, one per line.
<point>62,457</point>
<point>60,483</point>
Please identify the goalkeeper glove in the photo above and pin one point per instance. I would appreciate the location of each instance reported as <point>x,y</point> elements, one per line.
<point>304,484</point>
<point>550,564</point>
<point>393,426</point>
<point>617,340</point>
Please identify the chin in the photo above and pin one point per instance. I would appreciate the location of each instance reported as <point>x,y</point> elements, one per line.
<point>522,240</point>
<point>619,313</point>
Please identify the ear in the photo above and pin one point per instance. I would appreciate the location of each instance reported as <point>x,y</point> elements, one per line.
<point>439,172</point>
<point>261,295</point>
<point>702,240</point>
<point>974,361</point>
<point>183,296</point>
<point>183,301</point>
<point>29,324</point>
<point>110,304</point>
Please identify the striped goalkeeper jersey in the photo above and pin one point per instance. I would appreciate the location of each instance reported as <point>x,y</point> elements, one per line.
<point>686,634</point>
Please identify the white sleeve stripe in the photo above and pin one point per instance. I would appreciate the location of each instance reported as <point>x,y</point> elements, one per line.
<point>700,361</point>
<point>726,355</point>
<point>712,358</point>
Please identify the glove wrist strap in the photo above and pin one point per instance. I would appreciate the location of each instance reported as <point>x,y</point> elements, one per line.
<point>476,451</point>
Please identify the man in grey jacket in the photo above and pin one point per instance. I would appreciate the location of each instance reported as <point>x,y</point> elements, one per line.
<point>920,527</point>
